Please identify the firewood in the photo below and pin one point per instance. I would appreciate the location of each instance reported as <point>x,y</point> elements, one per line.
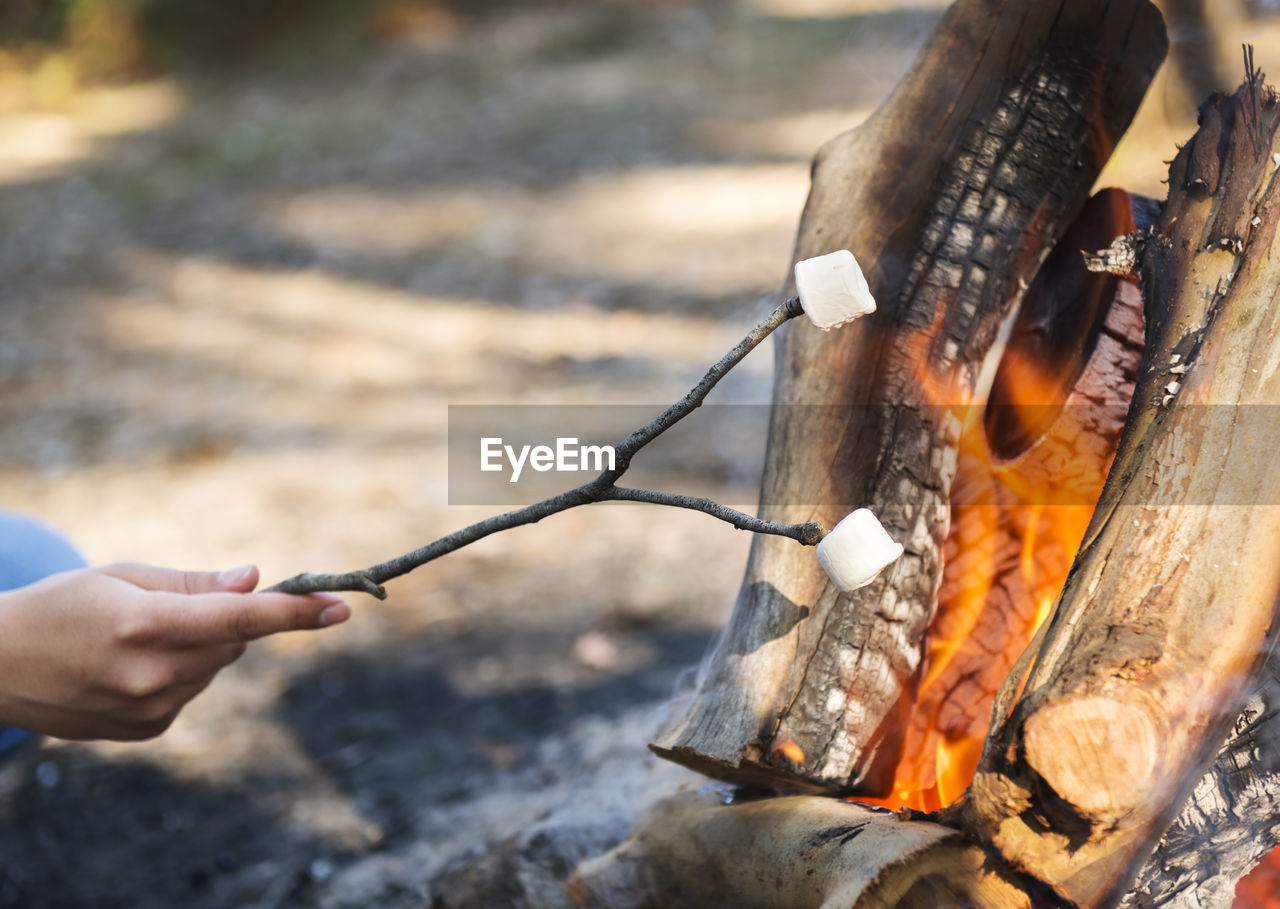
<point>800,849</point>
<point>800,852</point>
<point>1231,820</point>
<point>950,195</point>
<point>1167,615</point>
<point>1130,699</point>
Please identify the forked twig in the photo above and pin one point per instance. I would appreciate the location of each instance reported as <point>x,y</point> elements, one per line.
<point>602,489</point>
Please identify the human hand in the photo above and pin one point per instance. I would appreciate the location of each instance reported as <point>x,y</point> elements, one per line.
<point>116,652</point>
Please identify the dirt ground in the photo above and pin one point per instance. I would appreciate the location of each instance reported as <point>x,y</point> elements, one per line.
<point>235,310</point>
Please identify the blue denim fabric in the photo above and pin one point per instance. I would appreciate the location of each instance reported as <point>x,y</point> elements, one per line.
<point>29,551</point>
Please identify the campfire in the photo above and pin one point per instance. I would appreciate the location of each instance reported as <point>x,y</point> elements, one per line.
<point>1061,695</point>
<point>1031,465</point>
<point>1031,665</point>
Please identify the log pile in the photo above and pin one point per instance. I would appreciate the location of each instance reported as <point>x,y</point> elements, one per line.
<point>953,193</point>
<point>1131,751</point>
<point>1165,620</point>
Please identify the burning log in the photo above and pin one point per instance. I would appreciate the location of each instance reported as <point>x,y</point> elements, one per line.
<point>1058,399</point>
<point>1126,698</point>
<point>1167,615</point>
<point>952,193</point>
<point>1032,464</point>
<point>1230,822</point>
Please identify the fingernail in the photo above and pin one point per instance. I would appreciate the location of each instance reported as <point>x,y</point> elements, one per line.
<point>235,577</point>
<point>332,615</point>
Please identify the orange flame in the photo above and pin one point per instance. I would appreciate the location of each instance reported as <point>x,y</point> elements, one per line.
<point>1006,560</point>
<point>790,750</point>
<point>1260,888</point>
<point>1006,563</point>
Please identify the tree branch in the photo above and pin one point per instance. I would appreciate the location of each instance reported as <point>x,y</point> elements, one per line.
<point>807,534</point>
<point>788,309</point>
<point>602,488</point>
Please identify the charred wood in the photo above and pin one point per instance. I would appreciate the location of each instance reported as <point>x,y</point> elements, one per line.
<point>955,189</point>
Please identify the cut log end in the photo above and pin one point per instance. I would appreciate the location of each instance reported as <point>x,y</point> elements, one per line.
<point>1094,752</point>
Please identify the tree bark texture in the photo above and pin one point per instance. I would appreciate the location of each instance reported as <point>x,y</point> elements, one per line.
<point>1230,822</point>
<point>950,194</point>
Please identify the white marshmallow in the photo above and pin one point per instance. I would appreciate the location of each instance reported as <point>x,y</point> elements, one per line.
<point>832,289</point>
<point>857,550</point>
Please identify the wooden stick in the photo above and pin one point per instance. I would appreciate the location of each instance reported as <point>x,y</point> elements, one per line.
<point>601,489</point>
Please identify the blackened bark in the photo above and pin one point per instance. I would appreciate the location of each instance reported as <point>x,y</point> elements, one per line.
<point>1230,822</point>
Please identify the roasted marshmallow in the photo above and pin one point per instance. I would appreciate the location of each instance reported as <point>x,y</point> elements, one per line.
<point>832,289</point>
<point>857,550</point>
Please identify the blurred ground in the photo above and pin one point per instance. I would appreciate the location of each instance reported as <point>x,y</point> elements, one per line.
<point>235,308</point>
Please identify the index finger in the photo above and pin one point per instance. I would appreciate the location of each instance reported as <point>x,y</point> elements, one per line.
<point>226,618</point>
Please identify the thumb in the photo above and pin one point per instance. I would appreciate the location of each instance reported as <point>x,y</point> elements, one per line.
<point>241,579</point>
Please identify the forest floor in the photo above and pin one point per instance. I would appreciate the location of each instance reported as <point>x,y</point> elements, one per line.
<point>235,312</point>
